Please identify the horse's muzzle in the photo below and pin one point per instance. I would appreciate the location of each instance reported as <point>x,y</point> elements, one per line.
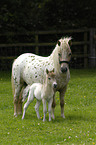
<point>64,69</point>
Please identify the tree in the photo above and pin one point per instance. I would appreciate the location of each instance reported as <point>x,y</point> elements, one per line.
<point>22,15</point>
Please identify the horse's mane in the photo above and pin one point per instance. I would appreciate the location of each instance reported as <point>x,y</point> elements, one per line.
<point>66,39</point>
<point>63,39</point>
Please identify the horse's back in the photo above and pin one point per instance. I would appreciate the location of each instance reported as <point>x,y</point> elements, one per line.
<point>31,67</point>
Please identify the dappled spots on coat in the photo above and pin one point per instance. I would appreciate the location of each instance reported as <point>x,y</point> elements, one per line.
<point>15,79</point>
<point>32,59</point>
<point>27,64</point>
<point>35,67</point>
<point>32,56</point>
<point>30,77</point>
<point>38,65</point>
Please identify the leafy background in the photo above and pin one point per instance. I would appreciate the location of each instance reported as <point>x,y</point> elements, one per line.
<point>22,15</point>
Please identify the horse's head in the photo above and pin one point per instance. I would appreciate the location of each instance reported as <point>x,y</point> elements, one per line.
<point>51,80</point>
<point>64,53</point>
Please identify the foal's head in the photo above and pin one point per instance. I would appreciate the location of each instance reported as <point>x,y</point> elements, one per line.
<point>50,78</point>
<point>64,53</point>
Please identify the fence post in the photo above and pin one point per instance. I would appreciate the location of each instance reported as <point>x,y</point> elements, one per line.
<point>85,51</point>
<point>36,41</point>
<point>92,58</point>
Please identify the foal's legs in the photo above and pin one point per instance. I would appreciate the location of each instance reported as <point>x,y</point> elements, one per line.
<point>49,108</point>
<point>30,99</point>
<point>37,108</point>
<point>44,109</point>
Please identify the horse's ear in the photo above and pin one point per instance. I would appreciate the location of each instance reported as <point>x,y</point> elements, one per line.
<point>70,43</point>
<point>58,42</point>
<point>47,71</point>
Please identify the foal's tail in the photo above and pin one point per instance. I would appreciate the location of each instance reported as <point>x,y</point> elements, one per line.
<point>25,92</point>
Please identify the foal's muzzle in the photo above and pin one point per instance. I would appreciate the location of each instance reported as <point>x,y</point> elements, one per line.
<point>55,85</point>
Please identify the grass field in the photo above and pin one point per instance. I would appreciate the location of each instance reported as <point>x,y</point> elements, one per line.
<point>79,126</point>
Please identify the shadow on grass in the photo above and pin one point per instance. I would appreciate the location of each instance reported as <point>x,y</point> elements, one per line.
<point>73,118</point>
<point>70,118</point>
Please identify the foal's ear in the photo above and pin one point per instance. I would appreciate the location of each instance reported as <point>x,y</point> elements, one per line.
<point>58,42</point>
<point>47,71</point>
<point>70,43</point>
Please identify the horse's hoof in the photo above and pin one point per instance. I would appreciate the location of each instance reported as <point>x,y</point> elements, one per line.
<point>44,120</point>
<point>63,116</point>
<point>19,113</point>
<point>53,117</point>
<point>38,117</point>
<point>15,115</point>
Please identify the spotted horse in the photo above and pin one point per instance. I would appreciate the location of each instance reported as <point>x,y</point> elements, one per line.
<point>29,68</point>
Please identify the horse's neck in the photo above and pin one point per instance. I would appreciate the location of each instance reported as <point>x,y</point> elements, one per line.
<point>54,57</point>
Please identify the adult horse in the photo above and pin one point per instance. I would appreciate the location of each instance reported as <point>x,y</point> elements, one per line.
<point>29,68</point>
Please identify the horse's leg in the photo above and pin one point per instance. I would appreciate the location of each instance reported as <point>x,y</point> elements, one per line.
<point>44,109</point>
<point>37,108</point>
<point>30,99</point>
<point>62,93</point>
<point>20,102</point>
<point>16,99</point>
<point>19,106</point>
<point>15,107</point>
<point>53,106</point>
<point>49,108</point>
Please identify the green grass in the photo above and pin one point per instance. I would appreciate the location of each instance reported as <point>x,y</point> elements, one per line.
<point>79,126</point>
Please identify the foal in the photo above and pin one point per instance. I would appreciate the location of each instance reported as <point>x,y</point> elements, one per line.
<point>42,92</point>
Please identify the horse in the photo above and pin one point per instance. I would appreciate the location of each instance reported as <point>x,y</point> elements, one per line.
<point>29,68</point>
<point>42,92</point>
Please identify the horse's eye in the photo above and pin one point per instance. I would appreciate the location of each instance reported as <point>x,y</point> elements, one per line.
<point>49,78</point>
<point>69,54</point>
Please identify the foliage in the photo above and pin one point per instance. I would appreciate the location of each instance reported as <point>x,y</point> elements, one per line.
<point>79,126</point>
<point>22,15</point>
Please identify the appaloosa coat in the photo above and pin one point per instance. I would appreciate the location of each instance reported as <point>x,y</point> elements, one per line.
<point>29,68</point>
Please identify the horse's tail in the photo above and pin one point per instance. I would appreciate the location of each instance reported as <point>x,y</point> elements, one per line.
<point>12,81</point>
<point>13,87</point>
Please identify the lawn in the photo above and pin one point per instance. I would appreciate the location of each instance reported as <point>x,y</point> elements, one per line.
<point>79,126</point>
